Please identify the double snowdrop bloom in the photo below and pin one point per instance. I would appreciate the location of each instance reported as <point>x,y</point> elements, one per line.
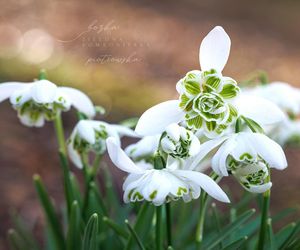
<point>160,186</point>
<point>42,100</point>
<point>282,94</point>
<point>248,156</point>
<point>179,142</point>
<point>90,136</point>
<point>208,100</point>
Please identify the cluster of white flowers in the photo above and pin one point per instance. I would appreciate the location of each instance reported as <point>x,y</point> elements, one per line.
<point>212,123</point>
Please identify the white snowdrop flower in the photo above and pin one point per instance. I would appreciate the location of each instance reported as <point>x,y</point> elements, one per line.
<point>42,100</point>
<point>207,99</point>
<point>179,142</point>
<point>90,136</point>
<point>160,186</point>
<point>246,155</point>
<point>144,148</point>
<point>282,94</point>
<point>287,132</point>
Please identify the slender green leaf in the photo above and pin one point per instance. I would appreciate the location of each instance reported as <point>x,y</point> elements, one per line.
<point>226,231</point>
<point>292,236</point>
<point>145,213</point>
<point>50,213</point>
<point>74,228</point>
<point>15,241</point>
<point>116,227</point>
<point>283,235</point>
<point>90,234</point>
<point>76,190</point>
<point>272,243</point>
<point>236,244</point>
<point>25,233</point>
<point>135,236</point>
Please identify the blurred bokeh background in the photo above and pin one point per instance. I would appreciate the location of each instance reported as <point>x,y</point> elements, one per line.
<point>128,55</point>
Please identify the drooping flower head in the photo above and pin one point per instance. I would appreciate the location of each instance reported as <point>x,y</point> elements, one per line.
<point>178,142</point>
<point>90,136</point>
<point>287,98</point>
<point>42,100</point>
<point>160,185</point>
<point>247,156</point>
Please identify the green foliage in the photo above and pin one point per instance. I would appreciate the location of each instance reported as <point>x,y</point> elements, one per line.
<point>93,217</point>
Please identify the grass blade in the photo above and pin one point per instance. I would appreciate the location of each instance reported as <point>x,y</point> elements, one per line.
<point>74,229</point>
<point>50,213</point>
<point>135,236</point>
<point>90,234</point>
<point>226,231</point>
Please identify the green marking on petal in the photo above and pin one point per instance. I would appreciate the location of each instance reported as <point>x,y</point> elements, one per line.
<point>130,194</point>
<point>246,156</point>
<point>138,196</point>
<point>181,191</point>
<point>229,91</point>
<point>214,82</point>
<point>211,126</point>
<point>192,87</point>
<point>153,195</point>
<point>195,122</point>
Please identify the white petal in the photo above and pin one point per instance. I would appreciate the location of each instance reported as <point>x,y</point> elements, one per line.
<point>259,109</point>
<point>205,148</point>
<point>43,91</point>
<point>167,145</point>
<point>80,101</point>
<point>7,89</point>
<point>206,183</point>
<point>219,160</point>
<point>214,50</point>
<point>173,131</point>
<point>269,150</point>
<point>156,119</point>
<point>243,146</point>
<point>26,120</point>
<point>74,155</point>
<point>21,95</point>
<point>120,159</point>
<point>259,188</point>
<point>195,146</point>
<point>86,131</point>
<point>124,131</point>
<point>145,147</point>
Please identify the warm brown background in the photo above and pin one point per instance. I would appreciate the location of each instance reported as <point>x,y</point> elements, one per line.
<point>160,40</point>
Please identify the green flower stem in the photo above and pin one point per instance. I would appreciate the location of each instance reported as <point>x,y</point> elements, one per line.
<point>158,231</point>
<point>90,173</point>
<point>200,226</point>
<point>264,217</point>
<point>203,206</point>
<point>169,223</point>
<point>64,161</point>
<point>60,133</point>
